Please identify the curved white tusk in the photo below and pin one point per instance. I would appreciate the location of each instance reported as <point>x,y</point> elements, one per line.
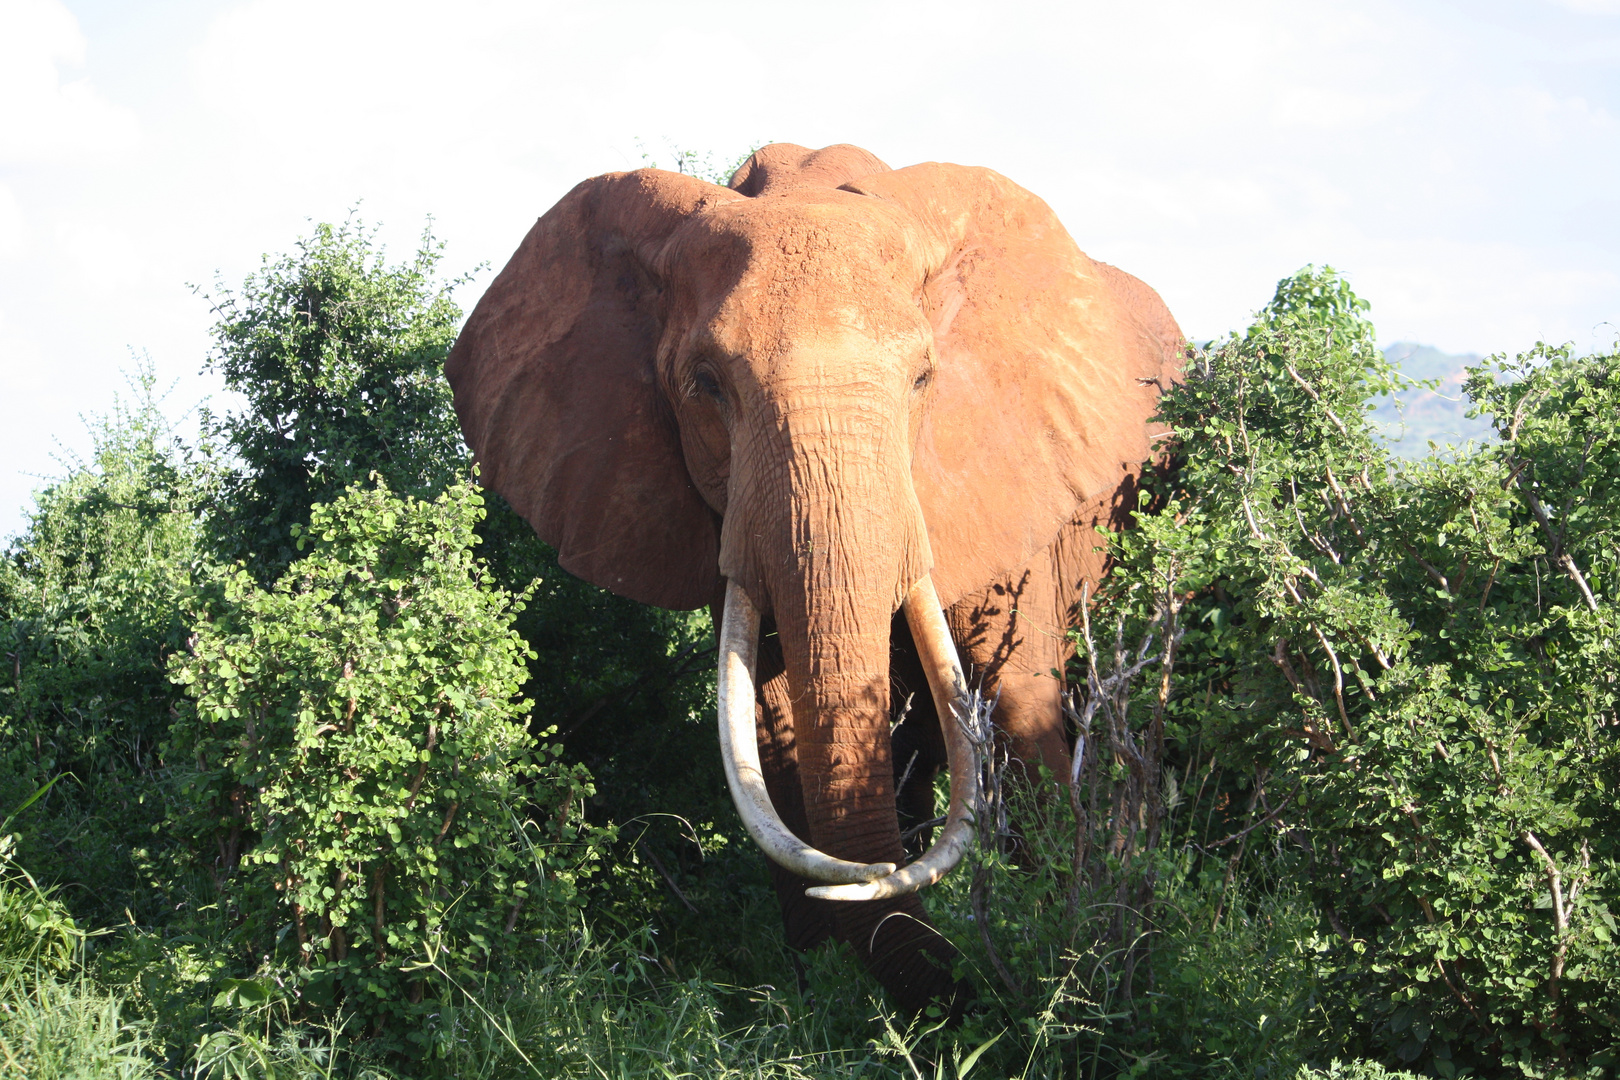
<point>739,749</point>
<point>938,654</point>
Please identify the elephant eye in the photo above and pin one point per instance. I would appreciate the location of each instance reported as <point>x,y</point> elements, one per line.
<point>704,382</point>
<point>923,380</point>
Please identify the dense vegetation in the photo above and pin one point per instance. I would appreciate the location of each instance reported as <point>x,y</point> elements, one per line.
<point>1374,728</point>
<point>312,762</point>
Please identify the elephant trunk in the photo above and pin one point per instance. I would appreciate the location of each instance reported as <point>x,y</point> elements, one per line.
<point>857,543</point>
<point>861,546</point>
<point>851,549</point>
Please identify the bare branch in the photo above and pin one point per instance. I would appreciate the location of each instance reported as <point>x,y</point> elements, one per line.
<point>1241,833</point>
<point>1558,554</point>
<point>915,830</point>
<point>658,865</point>
<point>1429,569</point>
<point>1338,682</point>
<point>1555,881</point>
<point>1489,582</point>
<point>1343,501</point>
<point>990,823</point>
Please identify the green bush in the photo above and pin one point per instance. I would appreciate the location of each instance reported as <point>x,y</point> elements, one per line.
<point>1352,1070</point>
<point>1350,736</point>
<point>357,763</point>
<point>93,606</point>
<point>37,933</point>
<point>90,610</point>
<point>339,355</point>
<point>1411,666</point>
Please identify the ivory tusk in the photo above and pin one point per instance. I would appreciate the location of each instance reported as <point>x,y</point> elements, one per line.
<point>944,670</point>
<point>739,749</point>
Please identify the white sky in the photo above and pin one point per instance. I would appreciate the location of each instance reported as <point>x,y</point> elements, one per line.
<point>1460,161</point>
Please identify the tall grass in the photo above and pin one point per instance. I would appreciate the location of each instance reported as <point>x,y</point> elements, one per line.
<point>54,1028</point>
<point>1226,1002</point>
<point>54,1021</point>
<point>607,1009</point>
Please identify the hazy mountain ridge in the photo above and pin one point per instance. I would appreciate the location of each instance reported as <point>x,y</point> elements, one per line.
<point>1422,415</point>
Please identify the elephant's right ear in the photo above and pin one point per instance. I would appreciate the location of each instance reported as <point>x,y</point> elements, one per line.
<point>555,388</point>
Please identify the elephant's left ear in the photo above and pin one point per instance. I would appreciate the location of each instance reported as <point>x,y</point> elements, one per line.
<point>1049,367</point>
<point>555,388</point>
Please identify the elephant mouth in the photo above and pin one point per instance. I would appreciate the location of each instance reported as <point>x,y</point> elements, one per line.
<point>739,749</point>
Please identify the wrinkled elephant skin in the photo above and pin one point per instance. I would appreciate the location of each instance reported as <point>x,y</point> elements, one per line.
<point>823,385</point>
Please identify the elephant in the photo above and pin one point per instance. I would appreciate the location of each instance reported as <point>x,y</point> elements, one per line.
<point>872,418</point>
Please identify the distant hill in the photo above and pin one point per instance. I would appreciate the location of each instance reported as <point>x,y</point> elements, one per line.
<point>1427,416</point>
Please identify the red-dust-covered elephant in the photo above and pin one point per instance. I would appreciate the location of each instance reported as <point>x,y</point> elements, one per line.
<point>876,411</point>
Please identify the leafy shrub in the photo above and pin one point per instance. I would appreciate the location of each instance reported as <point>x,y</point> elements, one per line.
<point>1388,733</point>
<point>37,933</point>
<point>1351,1070</point>
<point>90,609</point>
<point>337,352</point>
<point>340,357</point>
<point>1190,974</point>
<point>358,762</point>
<point>93,605</point>
<point>1412,667</point>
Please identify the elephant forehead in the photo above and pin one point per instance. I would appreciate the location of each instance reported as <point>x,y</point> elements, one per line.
<point>817,234</point>
<point>762,280</point>
<point>794,321</point>
<point>841,349</point>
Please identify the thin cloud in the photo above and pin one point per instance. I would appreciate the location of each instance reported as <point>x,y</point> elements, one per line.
<point>1590,7</point>
<point>42,117</point>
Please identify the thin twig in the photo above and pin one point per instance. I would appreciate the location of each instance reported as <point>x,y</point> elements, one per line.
<point>1490,581</point>
<point>1344,502</point>
<point>1558,554</point>
<point>421,769</point>
<point>1241,833</point>
<point>663,873</point>
<point>1429,569</point>
<point>377,915</point>
<point>449,816</point>
<point>931,823</point>
<point>680,663</point>
<point>1317,398</point>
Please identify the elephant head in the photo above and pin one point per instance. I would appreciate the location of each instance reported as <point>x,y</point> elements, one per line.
<point>827,392</point>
